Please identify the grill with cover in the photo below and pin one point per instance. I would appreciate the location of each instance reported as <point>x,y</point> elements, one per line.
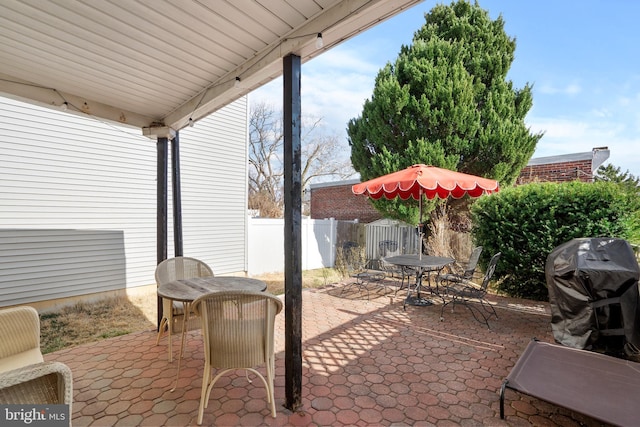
<point>593,294</point>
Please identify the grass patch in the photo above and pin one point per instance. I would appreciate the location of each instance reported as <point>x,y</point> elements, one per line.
<point>89,322</point>
<point>114,333</point>
<point>317,278</point>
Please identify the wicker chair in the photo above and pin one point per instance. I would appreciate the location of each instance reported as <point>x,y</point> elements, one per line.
<point>238,333</point>
<point>19,338</point>
<point>173,311</point>
<point>39,383</point>
<point>24,376</point>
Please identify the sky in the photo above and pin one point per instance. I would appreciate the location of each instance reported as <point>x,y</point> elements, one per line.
<point>581,56</point>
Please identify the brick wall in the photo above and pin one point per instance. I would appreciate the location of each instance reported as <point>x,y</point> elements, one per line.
<point>340,203</point>
<point>557,172</point>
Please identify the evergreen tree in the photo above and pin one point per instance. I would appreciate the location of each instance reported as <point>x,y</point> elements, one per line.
<point>446,102</point>
<point>626,180</point>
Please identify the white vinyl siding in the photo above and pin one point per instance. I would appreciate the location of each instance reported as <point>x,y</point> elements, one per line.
<point>78,201</point>
<point>43,264</point>
<point>213,157</point>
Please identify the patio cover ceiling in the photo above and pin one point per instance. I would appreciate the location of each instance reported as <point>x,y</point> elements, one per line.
<point>150,63</point>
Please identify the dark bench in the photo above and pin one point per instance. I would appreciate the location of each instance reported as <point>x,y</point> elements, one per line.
<point>602,387</point>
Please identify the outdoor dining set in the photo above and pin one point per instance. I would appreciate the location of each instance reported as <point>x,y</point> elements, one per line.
<point>417,182</point>
<point>434,275</point>
<point>236,315</point>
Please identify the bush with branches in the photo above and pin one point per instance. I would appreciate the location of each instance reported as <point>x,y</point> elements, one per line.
<point>350,257</point>
<point>526,223</point>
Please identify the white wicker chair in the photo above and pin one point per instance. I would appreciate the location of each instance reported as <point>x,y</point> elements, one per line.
<point>238,333</point>
<point>19,338</point>
<point>24,376</point>
<point>173,311</point>
<point>39,383</point>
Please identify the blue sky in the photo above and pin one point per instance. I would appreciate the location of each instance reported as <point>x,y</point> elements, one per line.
<point>582,57</point>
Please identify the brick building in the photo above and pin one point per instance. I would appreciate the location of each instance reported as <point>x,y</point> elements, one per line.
<point>563,168</point>
<point>336,200</point>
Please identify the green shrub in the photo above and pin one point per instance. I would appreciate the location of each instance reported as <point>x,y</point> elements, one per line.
<point>527,222</point>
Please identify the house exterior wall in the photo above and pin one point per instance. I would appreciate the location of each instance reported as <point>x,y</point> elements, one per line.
<point>78,201</point>
<point>214,177</point>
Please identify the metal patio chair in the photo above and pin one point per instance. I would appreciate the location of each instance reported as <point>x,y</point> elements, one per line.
<point>467,292</point>
<point>467,273</point>
<point>361,270</point>
<point>389,248</point>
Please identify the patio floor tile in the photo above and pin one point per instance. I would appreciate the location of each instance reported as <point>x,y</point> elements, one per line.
<point>365,362</point>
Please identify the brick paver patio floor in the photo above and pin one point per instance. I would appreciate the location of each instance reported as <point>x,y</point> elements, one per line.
<point>365,363</point>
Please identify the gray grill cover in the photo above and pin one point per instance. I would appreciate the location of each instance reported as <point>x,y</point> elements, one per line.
<point>583,271</point>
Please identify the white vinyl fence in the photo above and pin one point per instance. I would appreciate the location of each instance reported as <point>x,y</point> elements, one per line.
<point>319,241</point>
<point>266,244</point>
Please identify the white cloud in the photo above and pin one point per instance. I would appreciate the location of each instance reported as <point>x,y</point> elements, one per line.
<point>566,136</point>
<point>625,101</point>
<point>343,59</point>
<point>551,89</point>
<point>572,89</point>
<point>601,112</point>
<point>334,88</point>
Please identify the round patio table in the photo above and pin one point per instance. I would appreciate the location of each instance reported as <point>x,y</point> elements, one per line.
<point>422,264</point>
<point>187,290</point>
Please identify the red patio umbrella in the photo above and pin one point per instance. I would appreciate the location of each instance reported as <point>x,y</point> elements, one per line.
<point>430,181</point>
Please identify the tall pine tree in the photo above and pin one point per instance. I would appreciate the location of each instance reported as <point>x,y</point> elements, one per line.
<point>446,102</point>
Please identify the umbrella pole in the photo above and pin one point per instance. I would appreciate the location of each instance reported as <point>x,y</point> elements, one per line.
<point>420,226</point>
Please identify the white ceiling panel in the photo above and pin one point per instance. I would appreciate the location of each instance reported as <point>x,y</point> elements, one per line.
<point>150,62</point>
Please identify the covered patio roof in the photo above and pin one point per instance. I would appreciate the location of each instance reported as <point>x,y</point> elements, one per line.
<point>160,64</point>
<point>149,63</point>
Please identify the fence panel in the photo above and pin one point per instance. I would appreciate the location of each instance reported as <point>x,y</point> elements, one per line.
<point>388,237</point>
<point>266,244</point>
